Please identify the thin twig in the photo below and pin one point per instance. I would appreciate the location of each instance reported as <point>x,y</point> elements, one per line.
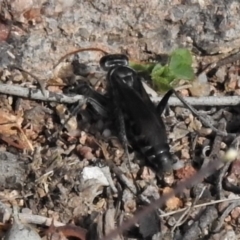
<point>225,214</point>
<point>203,101</point>
<point>35,94</point>
<point>41,83</point>
<point>128,183</point>
<point>31,218</point>
<point>199,206</point>
<point>131,185</point>
<point>185,215</point>
<point>214,154</point>
<point>80,50</point>
<point>39,220</point>
<point>224,169</point>
<point>203,119</point>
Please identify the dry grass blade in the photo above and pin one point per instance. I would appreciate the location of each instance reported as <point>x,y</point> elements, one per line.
<point>77,51</point>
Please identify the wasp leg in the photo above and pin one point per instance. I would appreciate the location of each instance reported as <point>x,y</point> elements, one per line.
<point>120,120</point>
<point>163,103</point>
<point>123,135</point>
<point>99,103</point>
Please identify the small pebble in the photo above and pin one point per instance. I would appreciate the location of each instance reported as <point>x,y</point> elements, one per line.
<point>99,125</point>
<point>96,173</point>
<point>202,78</point>
<point>221,74</point>
<point>106,133</point>
<point>235,213</point>
<point>230,235</point>
<point>17,76</point>
<point>178,165</point>
<point>185,154</point>
<point>200,87</point>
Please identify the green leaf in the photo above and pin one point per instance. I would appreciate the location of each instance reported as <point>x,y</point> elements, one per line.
<point>142,67</point>
<point>157,70</point>
<point>180,64</point>
<point>161,84</point>
<point>162,77</point>
<point>184,71</point>
<point>181,55</point>
<point>165,77</point>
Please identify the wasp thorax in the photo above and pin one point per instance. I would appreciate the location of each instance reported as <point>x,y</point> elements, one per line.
<point>124,74</point>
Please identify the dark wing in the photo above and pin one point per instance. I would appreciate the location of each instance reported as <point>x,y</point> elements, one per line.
<point>150,124</point>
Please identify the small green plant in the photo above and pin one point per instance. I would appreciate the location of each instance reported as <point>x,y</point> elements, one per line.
<point>165,77</point>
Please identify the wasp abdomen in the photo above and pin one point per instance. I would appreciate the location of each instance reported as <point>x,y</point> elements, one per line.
<point>158,156</point>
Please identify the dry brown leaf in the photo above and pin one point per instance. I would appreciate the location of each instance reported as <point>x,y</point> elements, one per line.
<point>179,131</point>
<point>85,152</point>
<point>184,92</point>
<point>55,84</point>
<point>173,202</point>
<point>41,192</point>
<point>55,89</point>
<point>57,81</point>
<point>63,70</point>
<point>34,15</point>
<point>235,213</point>
<point>91,142</point>
<point>64,115</point>
<point>185,153</point>
<point>12,142</point>
<point>235,168</point>
<point>230,86</point>
<point>9,123</point>
<point>185,173</point>
<point>195,125</point>
<point>32,135</point>
<point>11,130</point>
<point>130,206</point>
<point>147,174</point>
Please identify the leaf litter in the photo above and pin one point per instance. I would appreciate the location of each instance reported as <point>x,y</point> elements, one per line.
<point>67,178</point>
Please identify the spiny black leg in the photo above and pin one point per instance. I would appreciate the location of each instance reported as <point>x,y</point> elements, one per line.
<point>163,103</point>
<point>95,99</point>
<point>187,105</point>
<point>123,136</point>
<point>119,113</point>
<point>196,114</point>
<point>161,106</point>
<point>124,140</point>
<point>121,127</point>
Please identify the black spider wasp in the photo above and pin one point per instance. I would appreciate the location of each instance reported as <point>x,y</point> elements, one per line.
<point>131,105</point>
